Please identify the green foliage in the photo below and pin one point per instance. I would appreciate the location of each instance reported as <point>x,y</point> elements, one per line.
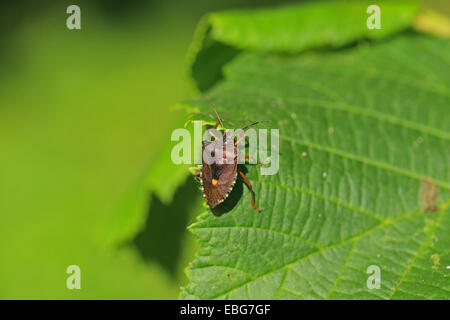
<point>289,29</point>
<point>85,141</point>
<point>82,119</point>
<point>363,131</point>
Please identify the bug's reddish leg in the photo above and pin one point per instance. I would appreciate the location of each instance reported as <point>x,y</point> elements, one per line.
<point>216,125</point>
<point>197,175</point>
<point>239,140</point>
<point>251,190</point>
<point>213,128</point>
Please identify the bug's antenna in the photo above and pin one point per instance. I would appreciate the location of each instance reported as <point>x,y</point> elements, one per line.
<point>214,107</point>
<point>254,123</point>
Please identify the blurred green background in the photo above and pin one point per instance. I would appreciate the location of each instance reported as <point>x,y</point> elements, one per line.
<point>84,120</point>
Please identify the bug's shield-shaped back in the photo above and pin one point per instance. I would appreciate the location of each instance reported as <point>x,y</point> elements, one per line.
<point>218,181</point>
<point>219,169</point>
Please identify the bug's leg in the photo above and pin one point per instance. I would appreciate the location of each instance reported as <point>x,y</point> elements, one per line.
<point>213,128</point>
<point>216,125</point>
<point>197,175</point>
<point>248,158</point>
<point>239,140</point>
<point>251,190</point>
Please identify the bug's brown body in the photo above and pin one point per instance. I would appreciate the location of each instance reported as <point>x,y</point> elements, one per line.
<point>218,179</point>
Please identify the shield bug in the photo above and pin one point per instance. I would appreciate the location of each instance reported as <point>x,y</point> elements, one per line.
<point>218,177</point>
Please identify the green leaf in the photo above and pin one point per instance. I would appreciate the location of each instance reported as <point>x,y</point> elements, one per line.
<point>165,176</point>
<point>162,178</point>
<point>360,131</point>
<point>288,29</point>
